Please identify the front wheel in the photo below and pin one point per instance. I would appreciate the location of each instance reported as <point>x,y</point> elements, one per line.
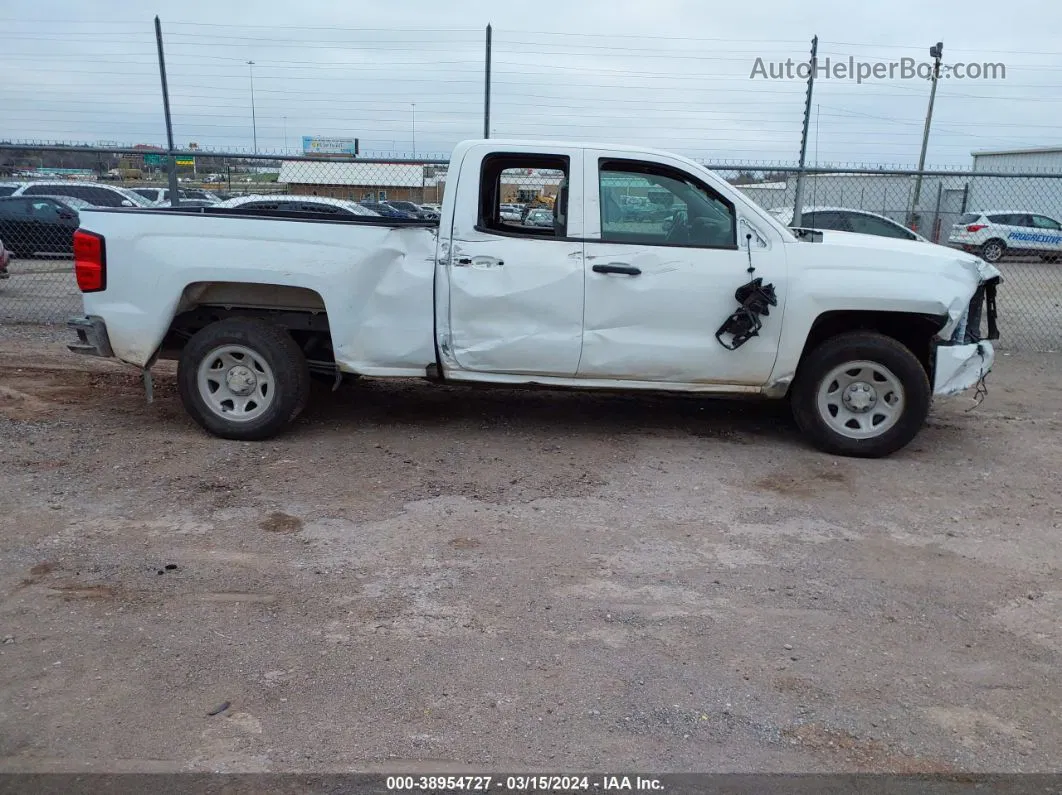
<point>243,378</point>
<point>861,394</point>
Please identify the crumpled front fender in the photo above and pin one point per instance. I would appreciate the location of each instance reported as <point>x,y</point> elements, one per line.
<point>960,367</point>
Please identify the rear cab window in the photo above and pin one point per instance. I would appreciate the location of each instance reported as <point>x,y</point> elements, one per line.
<point>540,181</point>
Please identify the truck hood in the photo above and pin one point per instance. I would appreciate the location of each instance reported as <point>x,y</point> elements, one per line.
<point>903,254</point>
<point>844,270</point>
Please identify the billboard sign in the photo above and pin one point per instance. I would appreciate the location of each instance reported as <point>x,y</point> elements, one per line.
<point>185,161</point>
<point>315,145</point>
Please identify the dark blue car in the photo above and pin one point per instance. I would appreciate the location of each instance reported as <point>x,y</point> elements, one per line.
<point>386,210</point>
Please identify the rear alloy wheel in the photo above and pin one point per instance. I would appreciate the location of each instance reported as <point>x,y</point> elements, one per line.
<point>243,378</point>
<point>861,394</point>
<point>993,251</point>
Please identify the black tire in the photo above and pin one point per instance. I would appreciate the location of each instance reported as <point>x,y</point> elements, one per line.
<point>291,378</point>
<point>993,250</point>
<point>861,346</point>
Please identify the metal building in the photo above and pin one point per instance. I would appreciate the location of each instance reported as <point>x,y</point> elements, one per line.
<point>1033,195</point>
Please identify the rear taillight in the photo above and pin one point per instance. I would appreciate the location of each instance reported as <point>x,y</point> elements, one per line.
<point>975,227</point>
<point>90,262</point>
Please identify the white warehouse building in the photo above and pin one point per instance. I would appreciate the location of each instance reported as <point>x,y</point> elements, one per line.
<point>1043,195</point>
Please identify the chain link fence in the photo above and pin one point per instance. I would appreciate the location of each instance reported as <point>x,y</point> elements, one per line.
<point>1011,219</point>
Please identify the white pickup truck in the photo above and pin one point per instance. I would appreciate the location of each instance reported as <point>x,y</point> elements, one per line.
<point>700,291</point>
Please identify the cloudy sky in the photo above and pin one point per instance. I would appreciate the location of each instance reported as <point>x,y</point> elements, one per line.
<point>404,77</point>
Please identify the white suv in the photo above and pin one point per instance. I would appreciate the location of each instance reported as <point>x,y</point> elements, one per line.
<point>995,234</point>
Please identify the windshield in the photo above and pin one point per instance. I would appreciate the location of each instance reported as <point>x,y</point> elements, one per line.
<point>968,218</point>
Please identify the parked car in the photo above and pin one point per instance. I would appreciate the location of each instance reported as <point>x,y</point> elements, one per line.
<point>996,233</point>
<point>302,204</point>
<point>37,224</point>
<point>77,205</point>
<point>512,212</point>
<point>539,217</point>
<point>5,260</point>
<point>153,195</point>
<point>846,219</point>
<point>858,332</point>
<point>93,192</point>
<point>386,210</point>
<point>413,209</point>
<point>185,202</point>
<point>200,193</point>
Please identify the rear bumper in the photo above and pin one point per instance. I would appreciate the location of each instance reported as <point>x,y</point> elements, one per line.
<point>961,367</point>
<point>92,339</point>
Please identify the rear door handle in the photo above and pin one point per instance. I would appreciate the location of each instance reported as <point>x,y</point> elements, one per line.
<point>618,267</point>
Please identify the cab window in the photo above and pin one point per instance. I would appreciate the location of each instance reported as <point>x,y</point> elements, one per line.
<point>539,180</point>
<point>653,204</point>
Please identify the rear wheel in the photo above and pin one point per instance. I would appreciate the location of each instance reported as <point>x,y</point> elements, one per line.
<point>993,250</point>
<point>861,394</point>
<point>243,378</point>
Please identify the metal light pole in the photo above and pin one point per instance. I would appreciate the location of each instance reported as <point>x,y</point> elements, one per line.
<point>413,107</point>
<point>935,52</point>
<point>175,198</point>
<point>254,123</point>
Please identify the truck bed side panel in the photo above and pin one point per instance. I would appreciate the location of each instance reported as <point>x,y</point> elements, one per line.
<point>375,280</point>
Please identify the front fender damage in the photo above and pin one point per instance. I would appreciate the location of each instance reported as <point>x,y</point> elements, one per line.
<point>960,367</point>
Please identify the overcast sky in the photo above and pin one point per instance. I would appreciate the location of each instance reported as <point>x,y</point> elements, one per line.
<point>673,74</point>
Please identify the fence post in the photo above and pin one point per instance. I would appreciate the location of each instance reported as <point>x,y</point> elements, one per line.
<point>936,211</point>
<point>486,88</point>
<point>175,199</point>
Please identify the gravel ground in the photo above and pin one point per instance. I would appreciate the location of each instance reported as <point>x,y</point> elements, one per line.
<point>425,578</point>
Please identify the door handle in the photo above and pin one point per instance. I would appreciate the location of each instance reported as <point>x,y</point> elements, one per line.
<point>490,262</point>
<point>618,267</point>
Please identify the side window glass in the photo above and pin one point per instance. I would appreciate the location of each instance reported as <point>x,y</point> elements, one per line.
<point>540,182</point>
<point>1043,222</point>
<point>650,204</point>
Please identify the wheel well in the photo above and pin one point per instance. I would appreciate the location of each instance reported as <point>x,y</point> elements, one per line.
<point>915,331</point>
<point>301,312</point>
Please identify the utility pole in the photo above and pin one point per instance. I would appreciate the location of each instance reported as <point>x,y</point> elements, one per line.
<point>936,53</point>
<point>798,199</point>
<point>486,88</point>
<point>254,123</point>
<point>175,199</point>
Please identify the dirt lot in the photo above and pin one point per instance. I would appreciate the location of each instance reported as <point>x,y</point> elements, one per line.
<point>427,578</point>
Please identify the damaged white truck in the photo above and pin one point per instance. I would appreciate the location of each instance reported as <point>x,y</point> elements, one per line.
<point>656,274</point>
